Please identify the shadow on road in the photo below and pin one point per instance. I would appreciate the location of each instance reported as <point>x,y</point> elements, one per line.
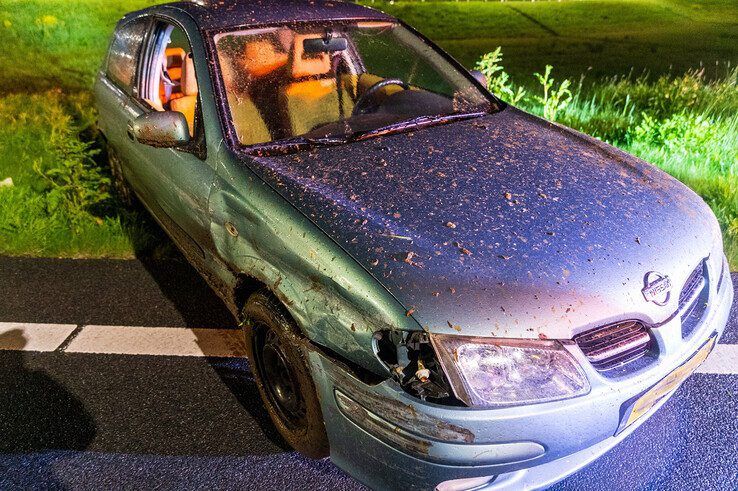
<point>182,285</point>
<point>201,308</point>
<point>36,412</point>
<point>37,415</point>
<point>243,387</point>
<point>197,304</point>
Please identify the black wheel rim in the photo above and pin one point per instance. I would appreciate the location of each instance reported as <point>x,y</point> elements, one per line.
<point>280,382</point>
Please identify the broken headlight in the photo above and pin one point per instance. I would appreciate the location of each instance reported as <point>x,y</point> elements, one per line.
<point>414,365</point>
<point>491,372</point>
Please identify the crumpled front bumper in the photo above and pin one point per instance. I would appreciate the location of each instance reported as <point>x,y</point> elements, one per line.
<point>390,440</point>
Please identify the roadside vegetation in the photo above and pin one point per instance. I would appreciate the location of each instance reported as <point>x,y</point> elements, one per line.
<point>59,203</point>
<point>580,63</point>
<point>55,196</point>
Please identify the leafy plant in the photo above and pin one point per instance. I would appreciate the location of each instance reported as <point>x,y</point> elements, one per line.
<point>75,184</point>
<point>679,130</point>
<point>498,80</point>
<point>554,99</point>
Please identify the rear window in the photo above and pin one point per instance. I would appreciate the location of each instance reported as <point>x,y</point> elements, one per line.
<point>123,55</point>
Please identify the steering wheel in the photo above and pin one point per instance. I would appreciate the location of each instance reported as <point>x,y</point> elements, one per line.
<point>367,96</point>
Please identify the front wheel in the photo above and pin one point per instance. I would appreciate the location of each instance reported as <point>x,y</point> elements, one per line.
<point>283,376</point>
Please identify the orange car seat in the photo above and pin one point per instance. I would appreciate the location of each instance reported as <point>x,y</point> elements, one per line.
<point>187,102</point>
<point>258,58</point>
<point>312,97</point>
<point>308,64</point>
<point>174,59</point>
<point>261,58</point>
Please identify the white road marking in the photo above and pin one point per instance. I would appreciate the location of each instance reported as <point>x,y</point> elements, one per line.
<point>182,341</point>
<point>722,360</point>
<point>162,341</point>
<point>33,337</point>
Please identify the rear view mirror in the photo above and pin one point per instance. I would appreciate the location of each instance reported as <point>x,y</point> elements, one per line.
<point>479,77</point>
<point>162,129</point>
<point>324,45</point>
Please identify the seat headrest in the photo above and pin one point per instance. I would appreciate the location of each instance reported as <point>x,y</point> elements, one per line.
<point>189,80</point>
<point>175,56</point>
<point>261,58</point>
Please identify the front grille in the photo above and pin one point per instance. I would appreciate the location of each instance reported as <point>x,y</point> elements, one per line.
<point>615,345</point>
<point>722,276</point>
<point>693,300</point>
<point>693,283</point>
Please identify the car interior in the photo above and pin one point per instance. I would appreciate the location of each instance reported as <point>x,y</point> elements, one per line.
<point>277,89</point>
<point>283,82</point>
<point>169,82</point>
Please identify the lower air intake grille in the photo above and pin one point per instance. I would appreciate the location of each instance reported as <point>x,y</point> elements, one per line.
<point>613,346</point>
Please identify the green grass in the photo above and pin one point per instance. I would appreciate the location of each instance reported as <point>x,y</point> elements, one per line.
<point>33,130</point>
<point>56,43</point>
<point>52,49</point>
<point>598,37</point>
<point>687,125</point>
<point>35,232</point>
<point>60,43</point>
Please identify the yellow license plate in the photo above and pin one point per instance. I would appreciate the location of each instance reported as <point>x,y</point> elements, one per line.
<point>648,400</point>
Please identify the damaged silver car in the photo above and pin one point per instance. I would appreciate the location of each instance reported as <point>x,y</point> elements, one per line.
<point>437,289</point>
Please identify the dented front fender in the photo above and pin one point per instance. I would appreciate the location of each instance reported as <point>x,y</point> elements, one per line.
<point>335,301</point>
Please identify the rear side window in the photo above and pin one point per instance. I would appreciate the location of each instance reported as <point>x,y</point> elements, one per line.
<point>124,51</point>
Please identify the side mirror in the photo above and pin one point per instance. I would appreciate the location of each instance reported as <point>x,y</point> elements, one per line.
<point>479,76</point>
<point>165,129</point>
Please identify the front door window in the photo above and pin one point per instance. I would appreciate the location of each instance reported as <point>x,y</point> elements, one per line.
<point>168,81</point>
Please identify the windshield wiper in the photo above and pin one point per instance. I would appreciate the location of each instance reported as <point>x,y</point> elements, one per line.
<point>408,124</point>
<point>326,140</point>
<point>289,145</point>
<point>399,126</point>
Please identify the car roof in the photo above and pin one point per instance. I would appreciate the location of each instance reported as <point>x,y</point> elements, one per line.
<point>224,14</point>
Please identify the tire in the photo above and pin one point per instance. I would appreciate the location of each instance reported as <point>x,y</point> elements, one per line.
<point>122,190</point>
<point>282,375</point>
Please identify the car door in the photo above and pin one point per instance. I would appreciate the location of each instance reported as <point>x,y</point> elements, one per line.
<point>174,183</point>
<point>115,93</point>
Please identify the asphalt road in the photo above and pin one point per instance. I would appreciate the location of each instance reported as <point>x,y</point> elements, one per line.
<point>73,420</point>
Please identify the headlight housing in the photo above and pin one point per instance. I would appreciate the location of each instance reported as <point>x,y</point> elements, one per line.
<point>493,372</point>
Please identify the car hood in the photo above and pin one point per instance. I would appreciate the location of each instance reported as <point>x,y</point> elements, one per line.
<point>505,225</point>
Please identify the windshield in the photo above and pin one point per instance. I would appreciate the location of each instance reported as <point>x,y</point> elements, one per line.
<point>337,80</point>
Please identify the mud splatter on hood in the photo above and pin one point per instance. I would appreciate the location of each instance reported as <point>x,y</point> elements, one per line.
<point>503,226</point>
